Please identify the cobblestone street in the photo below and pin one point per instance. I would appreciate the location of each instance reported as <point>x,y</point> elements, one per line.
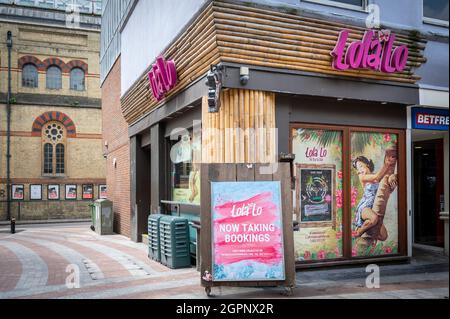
<point>34,261</point>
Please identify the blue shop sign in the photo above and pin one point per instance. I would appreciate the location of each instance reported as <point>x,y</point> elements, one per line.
<point>430,119</point>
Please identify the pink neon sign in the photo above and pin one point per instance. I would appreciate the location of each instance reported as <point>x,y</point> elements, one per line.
<point>375,52</point>
<point>162,77</point>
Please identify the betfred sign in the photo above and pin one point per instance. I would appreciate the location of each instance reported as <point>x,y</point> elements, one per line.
<point>162,77</point>
<point>375,51</point>
<point>430,119</point>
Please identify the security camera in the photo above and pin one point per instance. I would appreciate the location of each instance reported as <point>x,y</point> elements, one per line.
<point>244,75</point>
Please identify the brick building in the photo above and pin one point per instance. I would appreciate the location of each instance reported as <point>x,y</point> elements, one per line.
<point>115,128</point>
<point>277,68</point>
<point>57,165</point>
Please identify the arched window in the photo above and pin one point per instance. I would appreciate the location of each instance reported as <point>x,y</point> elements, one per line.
<point>77,79</point>
<point>48,158</point>
<point>54,80</point>
<point>60,167</point>
<point>54,146</point>
<point>30,76</point>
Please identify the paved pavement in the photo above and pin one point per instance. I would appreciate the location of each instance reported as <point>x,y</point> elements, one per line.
<point>38,261</point>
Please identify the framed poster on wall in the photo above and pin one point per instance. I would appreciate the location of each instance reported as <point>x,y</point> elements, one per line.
<point>247,231</point>
<point>88,191</point>
<point>17,192</point>
<point>53,192</point>
<point>36,192</point>
<point>102,191</point>
<point>315,192</point>
<point>71,192</point>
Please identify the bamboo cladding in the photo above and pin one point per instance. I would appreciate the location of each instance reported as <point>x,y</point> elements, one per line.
<point>243,131</point>
<point>227,32</point>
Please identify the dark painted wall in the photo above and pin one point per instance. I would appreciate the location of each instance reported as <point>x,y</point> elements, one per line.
<point>303,109</point>
<point>140,188</point>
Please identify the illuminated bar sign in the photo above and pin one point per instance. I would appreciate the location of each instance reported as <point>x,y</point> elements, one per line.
<point>430,119</point>
<point>162,77</point>
<point>375,51</point>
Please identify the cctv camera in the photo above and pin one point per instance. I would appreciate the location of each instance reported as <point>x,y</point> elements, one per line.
<point>244,75</point>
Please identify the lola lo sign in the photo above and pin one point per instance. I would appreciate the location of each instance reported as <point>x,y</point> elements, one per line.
<point>162,77</point>
<point>375,51</point>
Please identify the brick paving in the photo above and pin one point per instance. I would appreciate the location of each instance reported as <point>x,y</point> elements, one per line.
<point>33,265</point>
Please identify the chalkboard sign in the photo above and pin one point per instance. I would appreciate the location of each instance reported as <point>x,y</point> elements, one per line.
<point>315,195</point>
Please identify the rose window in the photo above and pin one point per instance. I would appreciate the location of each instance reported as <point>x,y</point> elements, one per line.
<point>54,132</point>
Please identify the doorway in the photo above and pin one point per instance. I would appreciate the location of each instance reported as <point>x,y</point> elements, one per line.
<point>428,192</point>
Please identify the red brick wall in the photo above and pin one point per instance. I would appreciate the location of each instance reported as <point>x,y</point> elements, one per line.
<point>115,133</point>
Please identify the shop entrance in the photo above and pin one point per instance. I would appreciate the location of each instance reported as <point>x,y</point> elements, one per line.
<point>428,192</point>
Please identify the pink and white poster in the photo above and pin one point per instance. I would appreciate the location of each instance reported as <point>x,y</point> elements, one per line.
<point>247,231</point>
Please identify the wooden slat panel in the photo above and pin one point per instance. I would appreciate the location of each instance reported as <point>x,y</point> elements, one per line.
<point>227,32</point>
<point>242,114</point>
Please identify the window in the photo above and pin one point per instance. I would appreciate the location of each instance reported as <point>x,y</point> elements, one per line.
<point>54,138</point>
<point>48,158</point>
<point>77,79</point>
<point>185,154</point>
<point>348,171</point>
<point>436,11</point>
<point>60,159</point>
<point>29,76</point>
<point>347,4</point>
<point>319,208</point>
<point>54,81</point>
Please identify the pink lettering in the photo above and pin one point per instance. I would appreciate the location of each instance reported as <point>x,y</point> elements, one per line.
<point>162,77</point>
<point>370,53</point>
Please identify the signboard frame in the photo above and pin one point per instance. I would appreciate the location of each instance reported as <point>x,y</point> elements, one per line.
<point>83,193</point>
<point>100,191</point>
<point>66,193</point>
<point>58,191</point>
<point>315,167</point>
<point>237,173</point>
<point>277,201</point>
<point>15,187</point>
<point>415,111</point>
<point>31,191</point>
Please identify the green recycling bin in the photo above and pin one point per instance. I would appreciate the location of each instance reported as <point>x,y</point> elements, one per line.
<point>92,208</point>
<point>174,241</point>
<point>154,247</point>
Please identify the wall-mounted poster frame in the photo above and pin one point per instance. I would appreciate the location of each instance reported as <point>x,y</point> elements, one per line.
<point>35,191</point>
<point>349,255</point>
<point>315,191</point>
<point>71,192</point>
<point>87,191</point>
<point>53,192</point>
<point>17,192</point>
<point>102,191</point>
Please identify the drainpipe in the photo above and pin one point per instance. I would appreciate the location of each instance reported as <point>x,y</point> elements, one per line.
<point>9,44</point>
